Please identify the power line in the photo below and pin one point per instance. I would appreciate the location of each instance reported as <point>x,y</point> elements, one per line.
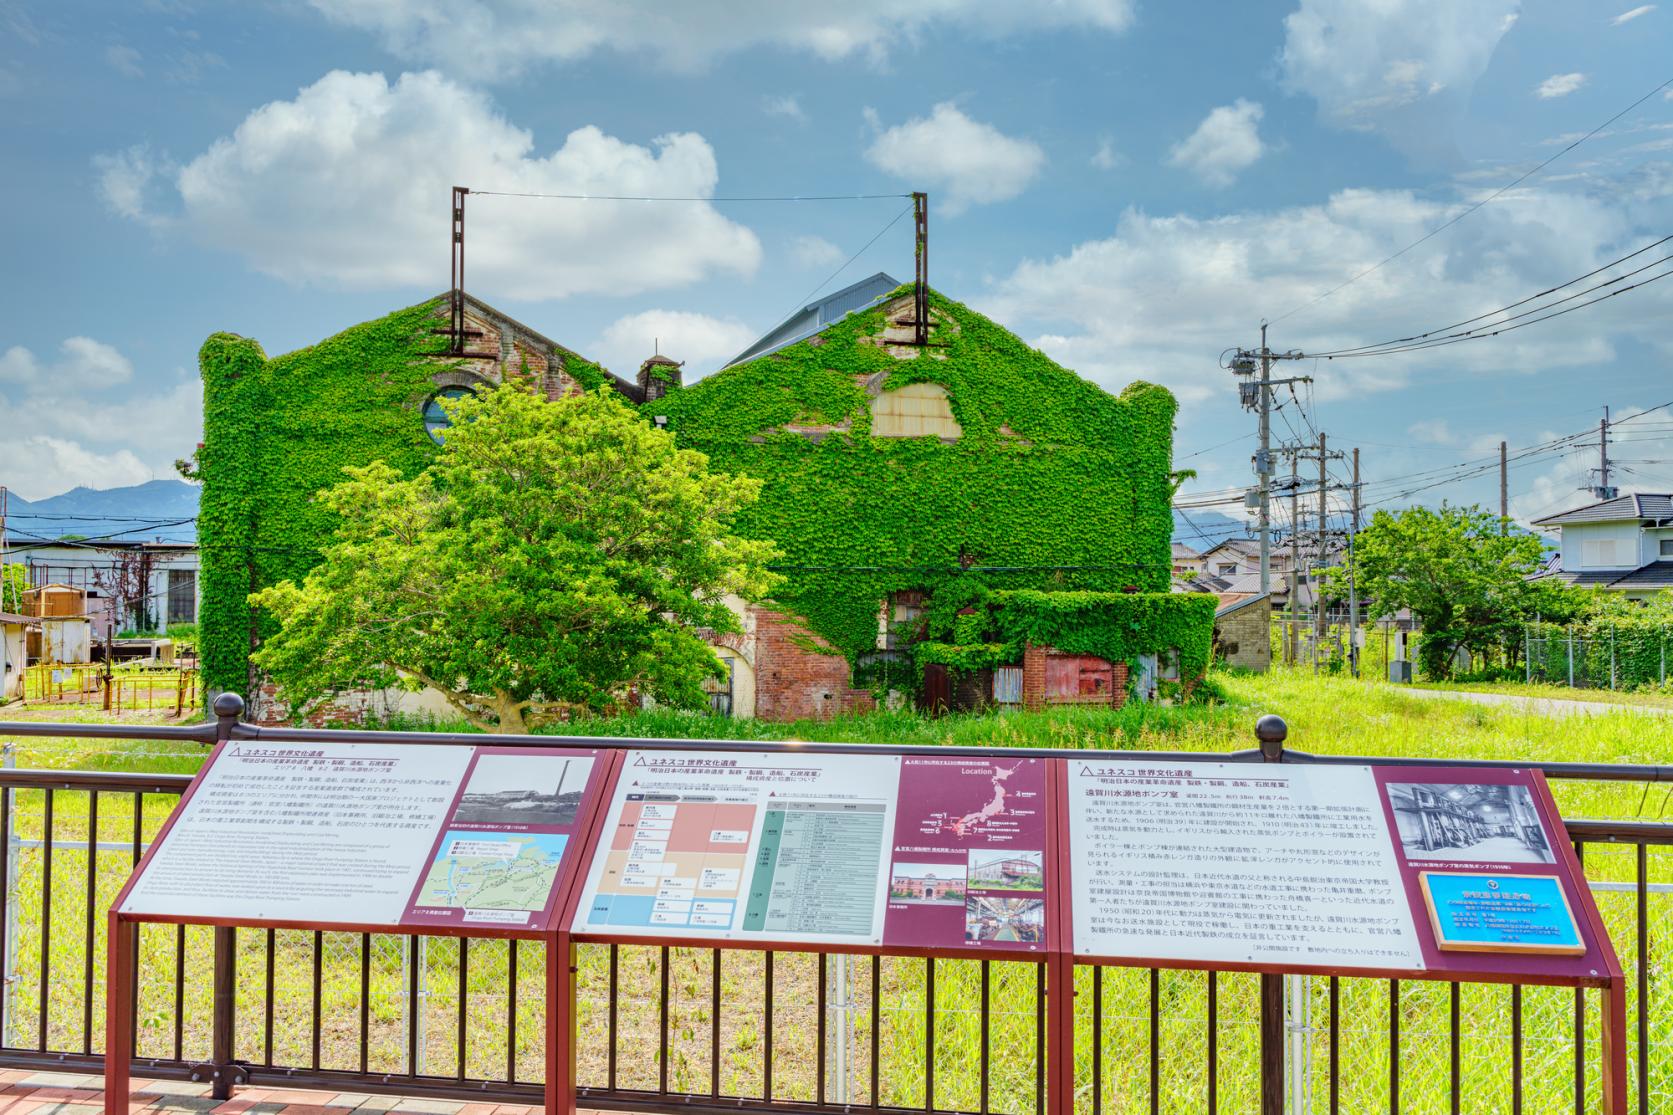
<point>809,295</point>
<point>728,200</point>
<point>1503,309</point>
<point>1430,340</point>
<point>1438,229</point>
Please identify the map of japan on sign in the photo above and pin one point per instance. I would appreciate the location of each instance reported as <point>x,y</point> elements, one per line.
<point>371,834</point>
<point>968,866</point>
<point>740,846</point>
<point>1235,863</point>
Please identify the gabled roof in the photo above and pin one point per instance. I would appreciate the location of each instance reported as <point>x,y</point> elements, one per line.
<point>1632,507</point>
<point>815,316</point>
<point>1234,602</point>
<point>1181,550</point>
<point>625,387</point>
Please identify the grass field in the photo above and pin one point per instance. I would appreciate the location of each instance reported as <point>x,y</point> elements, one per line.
<point>1327,715</point>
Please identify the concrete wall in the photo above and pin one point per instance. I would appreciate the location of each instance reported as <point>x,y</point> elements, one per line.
<point>1242,637</point>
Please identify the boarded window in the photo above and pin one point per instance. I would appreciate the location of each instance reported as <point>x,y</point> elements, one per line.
<point>1598,553</point>
<point>916,410</point>
<point>1071,677</point>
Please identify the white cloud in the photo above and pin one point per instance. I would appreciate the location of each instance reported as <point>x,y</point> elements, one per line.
<point>348,183</point>
<point>124,60</point>
<point>1632,13</point>
<point>814,251</point>
<point>499,39</point>
<point>1400,67</point>
<point>84,420</point>
<point>964,161</point>
<point>45,466</point>
<point>701,342</point>
<point>125,177</point>
<point>1559,85</point>
<point>1106,157</point>
<point>787,106</point>
<point>1162,295</point>
<point>1226,142</point>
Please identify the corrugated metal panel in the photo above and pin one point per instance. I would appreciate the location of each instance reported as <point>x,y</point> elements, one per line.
<point>1007,685</point>
<point>813,317</point>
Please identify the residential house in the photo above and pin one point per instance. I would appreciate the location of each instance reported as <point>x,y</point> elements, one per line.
<point>159,580</point>
<point>1622,545</point>
<point>1187,563</point>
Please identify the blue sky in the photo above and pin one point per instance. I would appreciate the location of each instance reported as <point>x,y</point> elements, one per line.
<point>1130,185</point>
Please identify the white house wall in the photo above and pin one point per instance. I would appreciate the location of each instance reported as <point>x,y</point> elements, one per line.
<point>1626,536</point>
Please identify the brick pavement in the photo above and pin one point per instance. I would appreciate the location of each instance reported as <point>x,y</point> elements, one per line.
<point>24,1092</point>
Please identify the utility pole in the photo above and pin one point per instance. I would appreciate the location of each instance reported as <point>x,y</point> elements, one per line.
<point>1504,489</point>
<point>1256,394</point>
<point>920,283</point>
<point>1263,465</point>
<point>1353,591</point>
<point>1292,630</point>
<point>1318,557</point>
<point>1604,491</point>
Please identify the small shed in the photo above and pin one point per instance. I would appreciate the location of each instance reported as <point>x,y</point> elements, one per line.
<point>14,652</point>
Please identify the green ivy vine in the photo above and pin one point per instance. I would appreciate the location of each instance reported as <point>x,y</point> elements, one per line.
<point>1054,484</point>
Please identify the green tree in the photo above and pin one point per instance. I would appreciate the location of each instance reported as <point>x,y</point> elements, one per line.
<point>14,582</point>
<point>553,557</point>
<point>1462,576</point>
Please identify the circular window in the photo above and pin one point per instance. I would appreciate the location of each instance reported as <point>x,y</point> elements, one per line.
<point>436,420</point>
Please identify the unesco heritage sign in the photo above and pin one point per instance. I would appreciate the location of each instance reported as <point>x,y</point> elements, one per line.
<point>1381,870</point>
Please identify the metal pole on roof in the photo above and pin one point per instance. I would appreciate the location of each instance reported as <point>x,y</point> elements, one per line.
<point>456,324</point>
<point>920,289</point>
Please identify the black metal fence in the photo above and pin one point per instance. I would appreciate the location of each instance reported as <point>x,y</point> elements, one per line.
<point>668,1029</point>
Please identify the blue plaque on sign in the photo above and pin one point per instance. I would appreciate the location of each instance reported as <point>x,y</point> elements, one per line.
<point>1477,912</point>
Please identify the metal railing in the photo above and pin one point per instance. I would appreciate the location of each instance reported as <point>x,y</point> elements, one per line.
<point>672,1029</point>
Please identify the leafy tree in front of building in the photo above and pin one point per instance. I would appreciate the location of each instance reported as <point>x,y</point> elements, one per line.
<point>1462,576</point>
<point>554,557</point>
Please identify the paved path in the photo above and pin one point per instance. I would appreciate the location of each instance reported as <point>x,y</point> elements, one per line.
<point>56,1093</point>
<point>1534,706</point>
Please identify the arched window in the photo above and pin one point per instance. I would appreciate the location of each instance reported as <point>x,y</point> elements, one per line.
<point>435,418</point>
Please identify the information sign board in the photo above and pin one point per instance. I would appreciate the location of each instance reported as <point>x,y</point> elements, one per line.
<point>372,834</point>
<point>1486,867</point>
<point>1235,864</point>
<point>744,847</point>
<point>968,867</point>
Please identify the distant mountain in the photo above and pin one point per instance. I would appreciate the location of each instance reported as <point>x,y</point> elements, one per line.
<point>158,510</point>
<point>1203,530</point>
<point>145,512</point>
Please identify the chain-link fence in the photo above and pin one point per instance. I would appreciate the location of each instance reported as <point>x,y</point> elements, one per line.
<point>1607,657</point>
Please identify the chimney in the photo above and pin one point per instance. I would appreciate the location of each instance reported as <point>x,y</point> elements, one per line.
<point>657,375</point>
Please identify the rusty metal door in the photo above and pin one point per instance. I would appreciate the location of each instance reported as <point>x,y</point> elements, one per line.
<point>936,697</point>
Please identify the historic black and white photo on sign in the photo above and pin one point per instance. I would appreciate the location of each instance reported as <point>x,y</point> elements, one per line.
<point>1469,823</point>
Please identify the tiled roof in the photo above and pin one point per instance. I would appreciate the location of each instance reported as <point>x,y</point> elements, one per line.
<point>1628,508</point>
<point>1180,550</point>
<point>1657,574</point>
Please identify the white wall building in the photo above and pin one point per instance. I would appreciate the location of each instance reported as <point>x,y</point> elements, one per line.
<point>1623,544</point>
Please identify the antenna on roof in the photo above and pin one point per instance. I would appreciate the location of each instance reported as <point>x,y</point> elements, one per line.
<point>920,288</point>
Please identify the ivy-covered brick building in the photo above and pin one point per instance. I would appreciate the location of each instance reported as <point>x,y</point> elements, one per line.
<point>945,509</point>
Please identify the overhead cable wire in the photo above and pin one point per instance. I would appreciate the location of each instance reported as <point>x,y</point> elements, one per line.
<point>1419,340</point>
<point>625,197</point>
<point>1502,190</point>
<point>803,301</point>
<point>1494,332</point>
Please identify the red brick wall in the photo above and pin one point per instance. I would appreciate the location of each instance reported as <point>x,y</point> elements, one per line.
<point>1034,682</point>
<point>795,683</point>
